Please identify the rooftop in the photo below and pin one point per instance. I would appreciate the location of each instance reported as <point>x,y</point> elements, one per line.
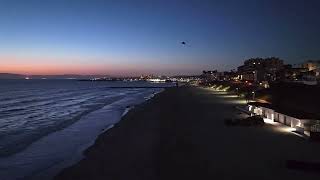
<point>288,111</point>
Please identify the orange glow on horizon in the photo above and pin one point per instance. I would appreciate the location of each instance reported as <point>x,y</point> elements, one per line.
<point>50,66</point>
<point>49,69</point>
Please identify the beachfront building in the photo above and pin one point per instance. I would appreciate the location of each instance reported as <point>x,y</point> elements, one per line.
<point>303,123</point>
<point>209,76</point>
<point>311,65</point>
<point>301,75</point>
<point>260,69</point>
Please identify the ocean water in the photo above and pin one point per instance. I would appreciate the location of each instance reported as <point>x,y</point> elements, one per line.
<point>46,124</point>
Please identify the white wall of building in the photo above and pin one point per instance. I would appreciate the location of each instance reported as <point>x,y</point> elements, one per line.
<point>300,125</point>
<point>278,117</point>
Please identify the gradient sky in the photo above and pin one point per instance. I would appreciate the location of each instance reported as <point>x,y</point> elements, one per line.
<point>143,36</point>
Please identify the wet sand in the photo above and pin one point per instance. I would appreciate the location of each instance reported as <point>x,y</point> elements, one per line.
<point>180,134</point>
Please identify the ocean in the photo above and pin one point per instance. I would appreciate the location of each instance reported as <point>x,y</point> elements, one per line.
<point>46,124</point>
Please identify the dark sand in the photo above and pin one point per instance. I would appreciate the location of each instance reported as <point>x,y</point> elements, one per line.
<point>180,134</point>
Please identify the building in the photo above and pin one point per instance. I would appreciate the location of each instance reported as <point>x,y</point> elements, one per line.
<point>298,75</point>
<point>301,122</point>
<point>209,75</point>
<point>309,78</point>
<point>289,73</point>
<point>260,69</point>
<point>229,75</point>
<point>311,65</point>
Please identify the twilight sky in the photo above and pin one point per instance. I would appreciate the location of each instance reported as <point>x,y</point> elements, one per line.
<point>132,37</point>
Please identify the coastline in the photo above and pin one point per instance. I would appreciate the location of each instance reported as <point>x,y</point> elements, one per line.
<point>179,134</point>
<point>129,111</point>
<point>81,152</point>
<point>127,114</point>
<point>40,161</point>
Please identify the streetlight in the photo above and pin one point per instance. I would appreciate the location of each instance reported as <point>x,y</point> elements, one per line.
<point>253,94</point>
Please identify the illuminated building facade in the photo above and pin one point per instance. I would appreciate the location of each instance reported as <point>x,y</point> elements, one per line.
<point>260,69</point>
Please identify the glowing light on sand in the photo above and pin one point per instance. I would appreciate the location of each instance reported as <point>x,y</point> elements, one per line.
<point>269,121</point>
<point>229,96</point>
<point>299,123</point>
<point>238,102</point>
<point>288,129</point>
<point>282,128</point>
<point>220,92</point>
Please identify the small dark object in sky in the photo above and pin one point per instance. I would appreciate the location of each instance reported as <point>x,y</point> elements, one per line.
<point>185,43</point>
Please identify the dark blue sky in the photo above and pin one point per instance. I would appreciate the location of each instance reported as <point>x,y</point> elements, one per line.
<point>133,37</point>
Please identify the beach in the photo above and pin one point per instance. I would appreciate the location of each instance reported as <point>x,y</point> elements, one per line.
<point>180,134</point>
<point>47,112</point>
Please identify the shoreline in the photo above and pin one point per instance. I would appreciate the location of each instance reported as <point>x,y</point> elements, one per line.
<point>180,134</point>
<point>39,161</point>
<point>128,113</point>
<point>123,117</point>
<point>83,150</point>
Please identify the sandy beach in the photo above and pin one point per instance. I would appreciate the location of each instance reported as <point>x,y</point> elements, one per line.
<point>180,134</point>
